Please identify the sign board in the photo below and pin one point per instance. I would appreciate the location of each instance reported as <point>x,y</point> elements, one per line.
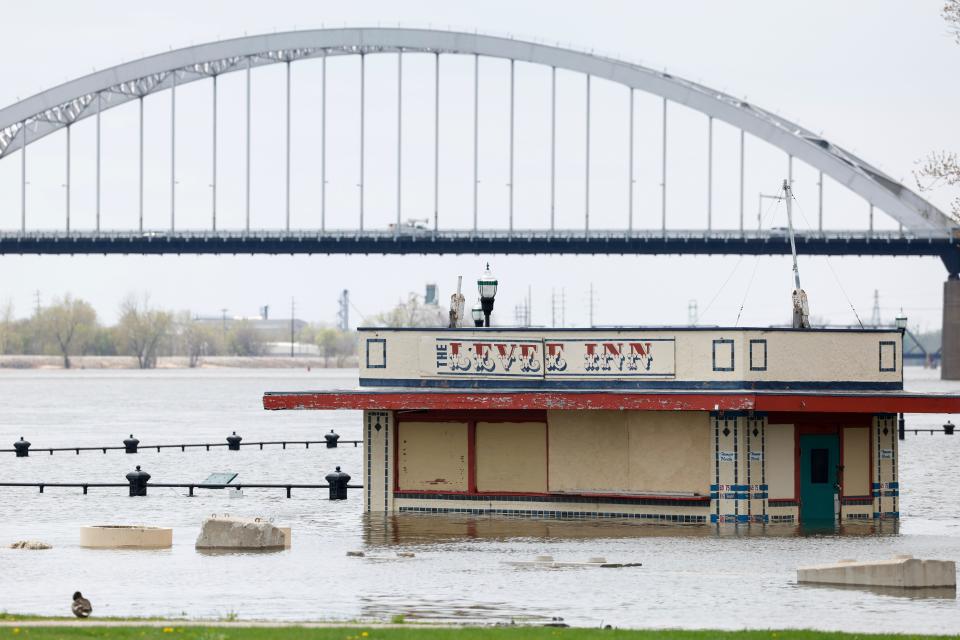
<point>756,456</point>
<point>726,456</point>
<point>886,454</point>
<point>548,358</point>
<point>225,477</point>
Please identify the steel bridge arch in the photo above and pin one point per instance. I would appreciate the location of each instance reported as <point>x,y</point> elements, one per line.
<point>60,106</point>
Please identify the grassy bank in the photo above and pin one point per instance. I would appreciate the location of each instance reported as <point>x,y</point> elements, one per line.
<point>91,630</point>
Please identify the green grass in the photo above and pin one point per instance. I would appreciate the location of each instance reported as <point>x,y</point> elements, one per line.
<point>187,632</point>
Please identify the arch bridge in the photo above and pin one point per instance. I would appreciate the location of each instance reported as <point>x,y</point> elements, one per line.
<point>464,226</point>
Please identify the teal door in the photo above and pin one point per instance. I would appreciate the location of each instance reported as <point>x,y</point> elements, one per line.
<point>819,461</point>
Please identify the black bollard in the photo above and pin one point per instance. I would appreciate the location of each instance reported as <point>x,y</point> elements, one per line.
<point>130,444</point>
<point>947,429</point>
<point>338,484</point>
<point>138,482</point>
<point>22,448</point>
<point>233,442</point>
<point>331,439</point>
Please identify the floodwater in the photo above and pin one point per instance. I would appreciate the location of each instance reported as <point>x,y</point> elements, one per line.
<point>697,576</point>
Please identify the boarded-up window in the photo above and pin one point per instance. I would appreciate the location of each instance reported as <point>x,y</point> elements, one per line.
<point>588,451</point>
<point>512,456</point>
<point>432,456</point>
<point>781,455</point>
<point>629,452</point>
<point>669,452</point>
<point>856,461</point>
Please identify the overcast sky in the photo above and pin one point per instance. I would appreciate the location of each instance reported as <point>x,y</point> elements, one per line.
<point>875,77</point>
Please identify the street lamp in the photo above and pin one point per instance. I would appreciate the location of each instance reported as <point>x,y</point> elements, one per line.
<point>477,313</point>
<point>487,286</point>
<point>901,322</point>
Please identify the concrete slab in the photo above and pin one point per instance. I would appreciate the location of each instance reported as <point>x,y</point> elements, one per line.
<point>901,571</point>
<point>121,536</point>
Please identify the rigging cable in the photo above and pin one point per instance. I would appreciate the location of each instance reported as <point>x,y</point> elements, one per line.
<point>835,276</point>
<point>763,218</point>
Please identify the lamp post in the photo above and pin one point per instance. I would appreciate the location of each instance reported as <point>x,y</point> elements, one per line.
<point>477,313</point>
<point>487,286</point>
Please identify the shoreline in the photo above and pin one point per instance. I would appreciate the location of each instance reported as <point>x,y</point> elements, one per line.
<point>175,362</point>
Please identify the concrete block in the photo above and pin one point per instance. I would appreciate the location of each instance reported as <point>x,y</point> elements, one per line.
<point>113,536</point>
<point>30,544</point>
<point>900,571</point>
<point>229,533</point>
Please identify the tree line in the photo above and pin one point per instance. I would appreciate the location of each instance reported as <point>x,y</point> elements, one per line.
<point>70,327</point>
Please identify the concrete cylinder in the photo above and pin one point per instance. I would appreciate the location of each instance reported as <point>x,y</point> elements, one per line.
<point>950,353</point>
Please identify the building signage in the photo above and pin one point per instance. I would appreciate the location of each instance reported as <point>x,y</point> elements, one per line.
<point>484,357</point>
<point>756,456</point>
<point>611,357</point>
<point>726,456</point>
<point>886,454</point>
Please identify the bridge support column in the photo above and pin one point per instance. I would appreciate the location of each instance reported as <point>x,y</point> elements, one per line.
<point>950,352</point>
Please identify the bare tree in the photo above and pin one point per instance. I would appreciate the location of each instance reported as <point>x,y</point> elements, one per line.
<point>141,328</point>
<point>198,340</point>
<point>942,168</point>
<point>951,13</point>
<point>412,313</point>
<point>70,323</point>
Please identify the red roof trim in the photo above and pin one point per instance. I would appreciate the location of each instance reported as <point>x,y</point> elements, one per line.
<point>544,400</point>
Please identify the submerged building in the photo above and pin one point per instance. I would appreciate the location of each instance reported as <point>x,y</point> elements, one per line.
<point>686,425</point>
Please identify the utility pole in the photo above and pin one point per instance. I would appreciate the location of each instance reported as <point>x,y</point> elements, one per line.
<point>36,297</point>
<point>293,314</point>
<point>343,314</point>
<point>223,313</point>
<point>875,316</point>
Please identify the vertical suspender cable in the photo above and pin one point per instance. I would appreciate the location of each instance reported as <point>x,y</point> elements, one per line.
<point>23,180</point>
<point>99,99</point>
<point>67,183</point>
<point>709,173</point>
<point>553,148</point>
<point>511,142</point>
<point>476,138</point>
<point>436,141</point>
<point>173,151</point>
<point>140,159</point>
<point>247,183</point>
<point>287,150</point>
<point>213,166</point>
<point>741,180</point>
<point>323,146</point>
<point>631,181</point>
<point>820,202</point>
<point>362,129</point>
<point>586,171</point>
<point>399,135</point>
<point>663,174</point>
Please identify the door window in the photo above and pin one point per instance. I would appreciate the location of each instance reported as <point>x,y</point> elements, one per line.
<point>819,466</point>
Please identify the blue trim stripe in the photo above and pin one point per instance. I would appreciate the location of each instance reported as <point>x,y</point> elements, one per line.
<point>885,485</point>
<point>519,383</point>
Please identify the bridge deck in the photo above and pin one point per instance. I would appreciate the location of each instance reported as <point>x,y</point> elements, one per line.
<point>833,243</point>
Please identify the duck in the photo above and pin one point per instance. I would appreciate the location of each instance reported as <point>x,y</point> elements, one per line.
<point>81,607</point>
